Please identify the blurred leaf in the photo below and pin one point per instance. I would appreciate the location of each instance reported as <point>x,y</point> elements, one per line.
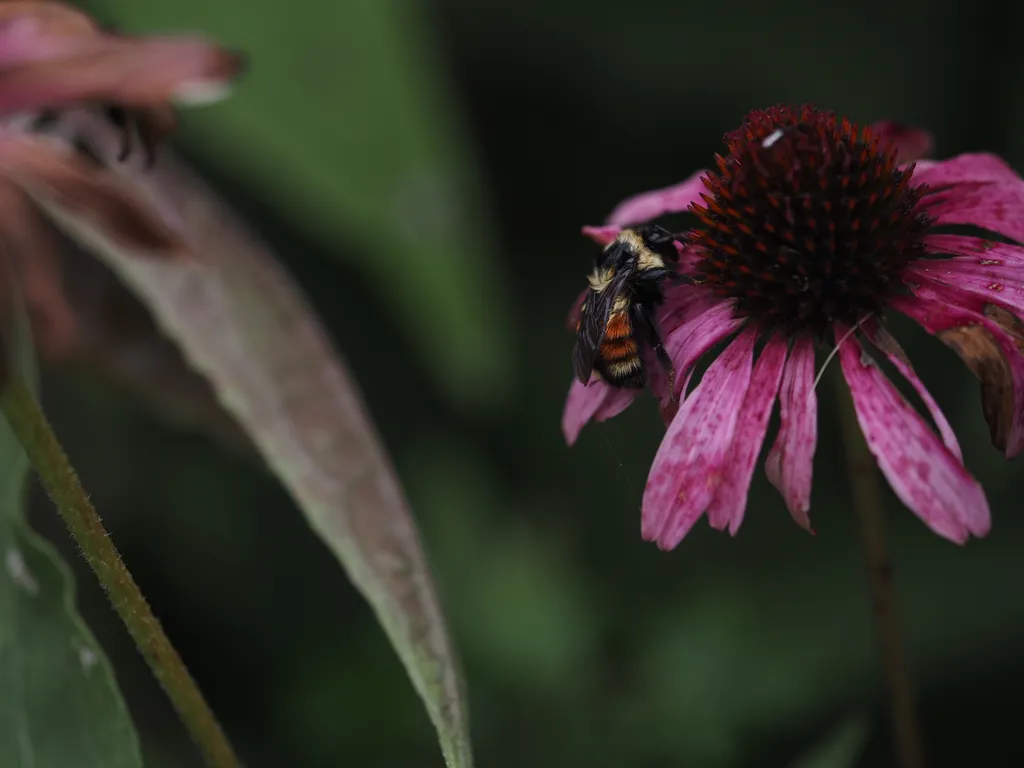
<point>841,748</point>
<point>241,321</point>
<point>346,126</point>
<point>59,702</point>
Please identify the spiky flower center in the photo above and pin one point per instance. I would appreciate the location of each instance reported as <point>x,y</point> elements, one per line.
<point>808,221</point>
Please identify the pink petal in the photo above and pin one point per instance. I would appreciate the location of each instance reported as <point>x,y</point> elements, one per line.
<point>596,401</point>
<point>925,475</point>
<point>995,284</point>
<point>790,462</point>
<point>882,339</point>
<point>698,333</point>
<point>602,235</point>
<point>730,501</point>
<point>658,380</point>
<point>978,250</point>
<point>968,168</point>
<point>995,207</point>
<point>689,464</point>
<point>130,72</point>
<point>944,313</point>
<point>576,310</point>
<point>651,205</point>
<point>910,143</point>
<point>30,31</point>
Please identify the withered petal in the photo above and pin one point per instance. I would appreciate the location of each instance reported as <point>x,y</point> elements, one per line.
<point>32,253</point>
<point>49,172</point>
<point>982,355</point>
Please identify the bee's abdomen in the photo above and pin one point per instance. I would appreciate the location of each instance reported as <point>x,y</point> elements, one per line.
<point>619,360</point>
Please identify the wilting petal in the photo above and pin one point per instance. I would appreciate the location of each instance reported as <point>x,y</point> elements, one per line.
<point>596,401</point>
<point>602,235</point>
<point>651,205</point>
<point>985,346</point>
<point>925,475</point>
<point>790,463</point>
<point>977,167</point>
<point>697,334</point>
<point>143,72</point>
<point>882,339</point>
<point>910,143</point>
<point>32,251</point>
<point>49,171</point>
<point>689,464</point>
<point>731,500</point>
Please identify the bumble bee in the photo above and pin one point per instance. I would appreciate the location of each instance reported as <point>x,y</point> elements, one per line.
<point>617,315</point>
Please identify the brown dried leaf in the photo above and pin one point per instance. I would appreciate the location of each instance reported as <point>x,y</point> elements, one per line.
<point>241,321</point>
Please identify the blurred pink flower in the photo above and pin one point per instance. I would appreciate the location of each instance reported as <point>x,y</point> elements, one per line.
<point>56,62</point>
<point>808,231</point>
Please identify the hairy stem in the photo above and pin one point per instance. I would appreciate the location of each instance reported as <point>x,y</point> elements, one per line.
<point>59,480</point>
<point>867,501</point>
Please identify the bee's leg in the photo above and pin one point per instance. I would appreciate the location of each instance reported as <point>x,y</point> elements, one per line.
<point>645,320</point>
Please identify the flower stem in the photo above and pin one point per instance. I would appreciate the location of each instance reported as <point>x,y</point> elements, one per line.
<point>867,501</point>
<point>61,483</point>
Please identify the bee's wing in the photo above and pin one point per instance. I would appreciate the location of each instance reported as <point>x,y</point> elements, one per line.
<point>593,323</point>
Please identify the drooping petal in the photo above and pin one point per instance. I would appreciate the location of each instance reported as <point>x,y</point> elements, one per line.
<point>650,205</point>
<point>29,246</point>
<point>597,401</point>
<point>988,350</point>
<point>976,167</point>
<point>730,501</point>
<point>924,474</point>
<point>689,464</point>
<point>882,339</point>
<point>50,171</point>
<point>790,463</point>
<point>910,143</point>
<point>698,333</point>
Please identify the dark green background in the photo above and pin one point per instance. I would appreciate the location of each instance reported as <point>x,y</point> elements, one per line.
<point>583,646</point>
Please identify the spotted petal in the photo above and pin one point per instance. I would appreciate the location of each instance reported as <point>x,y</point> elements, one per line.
<point>790,462</point>
<point>731,499</point>
<point>923,472</point>
<point>992,354</point>
<point>689,464</point>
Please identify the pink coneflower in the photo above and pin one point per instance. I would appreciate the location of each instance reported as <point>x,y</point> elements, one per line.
<point>61,74</point>
<point>810,230</point>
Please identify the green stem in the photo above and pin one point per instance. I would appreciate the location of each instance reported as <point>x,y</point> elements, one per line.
<point>61,483</point>
<point>867,501</point>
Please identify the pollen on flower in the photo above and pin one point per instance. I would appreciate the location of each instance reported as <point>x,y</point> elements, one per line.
<point>807,222</point>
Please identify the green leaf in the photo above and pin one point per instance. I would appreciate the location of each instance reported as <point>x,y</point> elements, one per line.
<point>841,747</point>
<point>240,320</point>
<point>345,125</point>
<point>59,702</point>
